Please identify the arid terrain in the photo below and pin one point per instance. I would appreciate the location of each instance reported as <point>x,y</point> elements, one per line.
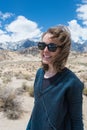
<point>17,73</point>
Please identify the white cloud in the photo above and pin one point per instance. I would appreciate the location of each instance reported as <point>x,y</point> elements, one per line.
<point>82,13</point>
<point>84,1</point>
<point>4,37</point>
<point>6,15</point>
<point>1,32</point>
<point>78,31</point>
<point>19,29</point>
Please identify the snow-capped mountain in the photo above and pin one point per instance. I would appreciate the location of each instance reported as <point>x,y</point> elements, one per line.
<point>17,45</point>
<point>79,47</point>
<point>20,45</point>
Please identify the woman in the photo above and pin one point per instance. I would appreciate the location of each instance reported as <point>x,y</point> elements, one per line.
<point>57,90</point>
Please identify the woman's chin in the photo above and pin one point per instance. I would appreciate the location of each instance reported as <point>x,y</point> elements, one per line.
<point>45,62</point>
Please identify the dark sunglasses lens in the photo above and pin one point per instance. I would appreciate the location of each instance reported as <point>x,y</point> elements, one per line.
<point>41,45</point>
<point>52,47</point>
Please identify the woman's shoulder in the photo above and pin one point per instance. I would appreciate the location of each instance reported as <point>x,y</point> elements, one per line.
<point>70,74</point>
<point>40,71</point>
<point>73,78</point>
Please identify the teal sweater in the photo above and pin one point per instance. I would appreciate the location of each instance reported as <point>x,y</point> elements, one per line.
<point>59,106</point>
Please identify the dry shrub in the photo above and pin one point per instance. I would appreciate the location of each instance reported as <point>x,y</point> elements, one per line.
<point>28,88</point>
<point>31,91</point>
<point>84,76</point>
<point>10,103</point>
<point>27,77</point>
<point>25,87</point>
<point>21,75</point>
<point>6,79</point>
<point>19,91</point>
<point>85,91</point>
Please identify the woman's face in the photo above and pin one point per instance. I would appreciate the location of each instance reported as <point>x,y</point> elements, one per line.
<point>46,55</point>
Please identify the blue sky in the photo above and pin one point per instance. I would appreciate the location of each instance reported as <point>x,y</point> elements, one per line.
<point>21,19</point>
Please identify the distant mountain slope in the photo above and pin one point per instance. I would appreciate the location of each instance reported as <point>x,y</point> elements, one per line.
<point>30,50</point>
<point>79,47</point>
<point>17,45</point>
<point>20,45</point>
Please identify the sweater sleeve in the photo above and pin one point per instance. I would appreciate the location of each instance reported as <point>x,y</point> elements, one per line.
<point>75,100</point>
<point>29,124</point>
<point>30,120</point>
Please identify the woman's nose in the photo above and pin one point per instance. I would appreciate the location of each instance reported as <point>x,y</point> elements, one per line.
<point>46,49</point>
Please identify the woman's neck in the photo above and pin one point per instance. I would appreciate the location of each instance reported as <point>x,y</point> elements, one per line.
<point>50,72</point>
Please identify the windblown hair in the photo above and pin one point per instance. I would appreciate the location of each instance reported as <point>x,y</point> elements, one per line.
<point>61,33</point>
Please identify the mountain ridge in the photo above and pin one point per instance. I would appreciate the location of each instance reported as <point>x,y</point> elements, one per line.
<point>26,43</point>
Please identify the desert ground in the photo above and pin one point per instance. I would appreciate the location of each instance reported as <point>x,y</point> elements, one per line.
<point>17,74</point>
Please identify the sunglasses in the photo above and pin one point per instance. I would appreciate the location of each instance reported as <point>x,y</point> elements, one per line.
<point>51,46</point>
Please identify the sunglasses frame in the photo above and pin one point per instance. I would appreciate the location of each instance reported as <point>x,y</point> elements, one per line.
<point>52,47</point>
